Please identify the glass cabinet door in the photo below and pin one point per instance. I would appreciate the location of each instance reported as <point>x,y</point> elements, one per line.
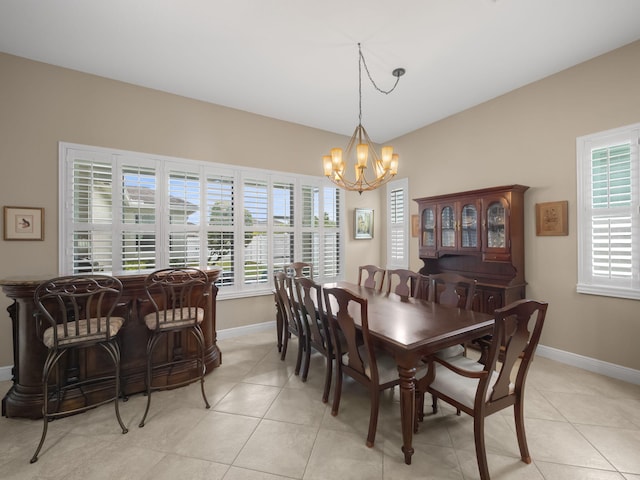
<point>448,227</point>
<point>469,226</point>
<point>496,236</point>
<point>428,227</point>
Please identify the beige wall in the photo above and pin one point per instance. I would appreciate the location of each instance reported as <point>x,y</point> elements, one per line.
<point>529,137</point>
<point>42,105</point>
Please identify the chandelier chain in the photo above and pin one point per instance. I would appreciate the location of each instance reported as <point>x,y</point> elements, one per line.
<point>366,68</point>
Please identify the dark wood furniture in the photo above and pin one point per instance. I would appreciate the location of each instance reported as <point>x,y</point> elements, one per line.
<point>483,389</point>
<point>478,234</point>
<point>291,324</point>
<point>452,289</point>
<point>409,329</point>
<point>406,284</point>
<point>178,297</point>
<point>374,277</point>
<point>24,398</point>
<point>356,355</point>
<point>297,269</point>
<point>75,312</point>
<point>313,321</point>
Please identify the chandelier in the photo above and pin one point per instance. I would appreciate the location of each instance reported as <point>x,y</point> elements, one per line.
<point>384,167</point>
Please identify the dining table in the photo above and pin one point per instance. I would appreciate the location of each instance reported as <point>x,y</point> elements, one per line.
<point>410,329</point>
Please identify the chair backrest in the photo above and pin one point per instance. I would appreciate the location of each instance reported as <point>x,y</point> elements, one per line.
<point>311,314</point>
<point>452,289</point>
<point>177,295</point>
<point>344,333</point>
<point>283,288</point>
<point>70,302</point>
<point>405,286</point>
<point>421,289</point>
<point>517,332</point>
<point>374,276</point>
<point>299,269</point>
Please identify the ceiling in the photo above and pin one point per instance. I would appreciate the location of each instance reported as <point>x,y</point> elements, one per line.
<point>297,60</point>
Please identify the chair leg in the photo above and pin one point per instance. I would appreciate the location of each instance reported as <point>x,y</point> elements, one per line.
<point>337,391</point>
<point>200,339</point>
<point>419,416</point>
<point>50,362</point>
<point>481,453</point>
<point>327,378</point>
<point>285,344</point>
<point>301,345</point>
<point>279,328</point>
<point>307,358</point>
<point>113,349</point>
<point>373,418</point>
<point>518,410</point>
<point>434,404</point>
<point>153,340</point>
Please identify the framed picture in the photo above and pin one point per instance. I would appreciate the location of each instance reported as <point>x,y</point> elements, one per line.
<point>363,223</point>
<point>415,225</point>
<point>552,218</point>
<point>23,223</point>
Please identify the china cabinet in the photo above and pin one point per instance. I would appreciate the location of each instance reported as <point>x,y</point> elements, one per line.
<point>479,234</point>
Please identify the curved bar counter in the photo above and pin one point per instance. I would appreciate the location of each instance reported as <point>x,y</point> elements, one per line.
<point>24,398</point>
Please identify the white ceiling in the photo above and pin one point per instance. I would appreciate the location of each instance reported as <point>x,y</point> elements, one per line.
<point>297,60</point>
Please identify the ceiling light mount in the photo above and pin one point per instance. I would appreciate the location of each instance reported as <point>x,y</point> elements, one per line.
<point>384,167</point>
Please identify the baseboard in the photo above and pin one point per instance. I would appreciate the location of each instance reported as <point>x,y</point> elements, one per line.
<point>247,330</point>
<point>590,364</point>
<point>5,373</point>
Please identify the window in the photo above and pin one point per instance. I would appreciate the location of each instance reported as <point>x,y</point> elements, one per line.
<point>608,210</point>
<point>125,212</point>
<point>398,224</point>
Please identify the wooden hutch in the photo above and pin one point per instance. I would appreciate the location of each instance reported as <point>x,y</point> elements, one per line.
<point>478,234</point>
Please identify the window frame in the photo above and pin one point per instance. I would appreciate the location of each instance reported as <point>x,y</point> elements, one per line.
<point>120,160</point>
<point>393,261</point>
<point>590,282</point>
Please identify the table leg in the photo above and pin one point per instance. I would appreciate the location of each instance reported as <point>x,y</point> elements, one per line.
<point>407,408</point>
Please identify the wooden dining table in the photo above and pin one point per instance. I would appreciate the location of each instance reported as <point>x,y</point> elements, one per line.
<point>409,329</point>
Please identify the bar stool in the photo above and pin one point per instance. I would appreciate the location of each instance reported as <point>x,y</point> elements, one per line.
<point>76,312</point>
<point>177,296</point>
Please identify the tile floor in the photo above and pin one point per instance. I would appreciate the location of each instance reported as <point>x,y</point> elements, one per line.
<point>265,424</point>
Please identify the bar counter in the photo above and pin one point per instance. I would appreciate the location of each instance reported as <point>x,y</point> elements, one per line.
<point>24,398</point>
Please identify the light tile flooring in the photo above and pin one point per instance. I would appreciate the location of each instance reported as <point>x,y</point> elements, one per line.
<point>265,424</point>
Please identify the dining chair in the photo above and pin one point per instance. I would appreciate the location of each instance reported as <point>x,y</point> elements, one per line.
<point>452,289</point>
<point>456,291</point>
<point>76,312</point>
<point>404,282</point>
<point>357,358</point>
<point>374,278</point>
<point>298,269</point>
<point>178,298</point>
<point>290,319</point>
<point>312,318</point>
<point>483,389</point>
<point>421,290</point>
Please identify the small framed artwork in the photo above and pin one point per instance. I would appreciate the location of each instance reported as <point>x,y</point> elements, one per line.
<point>23,223</point>
<point>363,223</point>
<point>415,225</point>
<point>552,218</point>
